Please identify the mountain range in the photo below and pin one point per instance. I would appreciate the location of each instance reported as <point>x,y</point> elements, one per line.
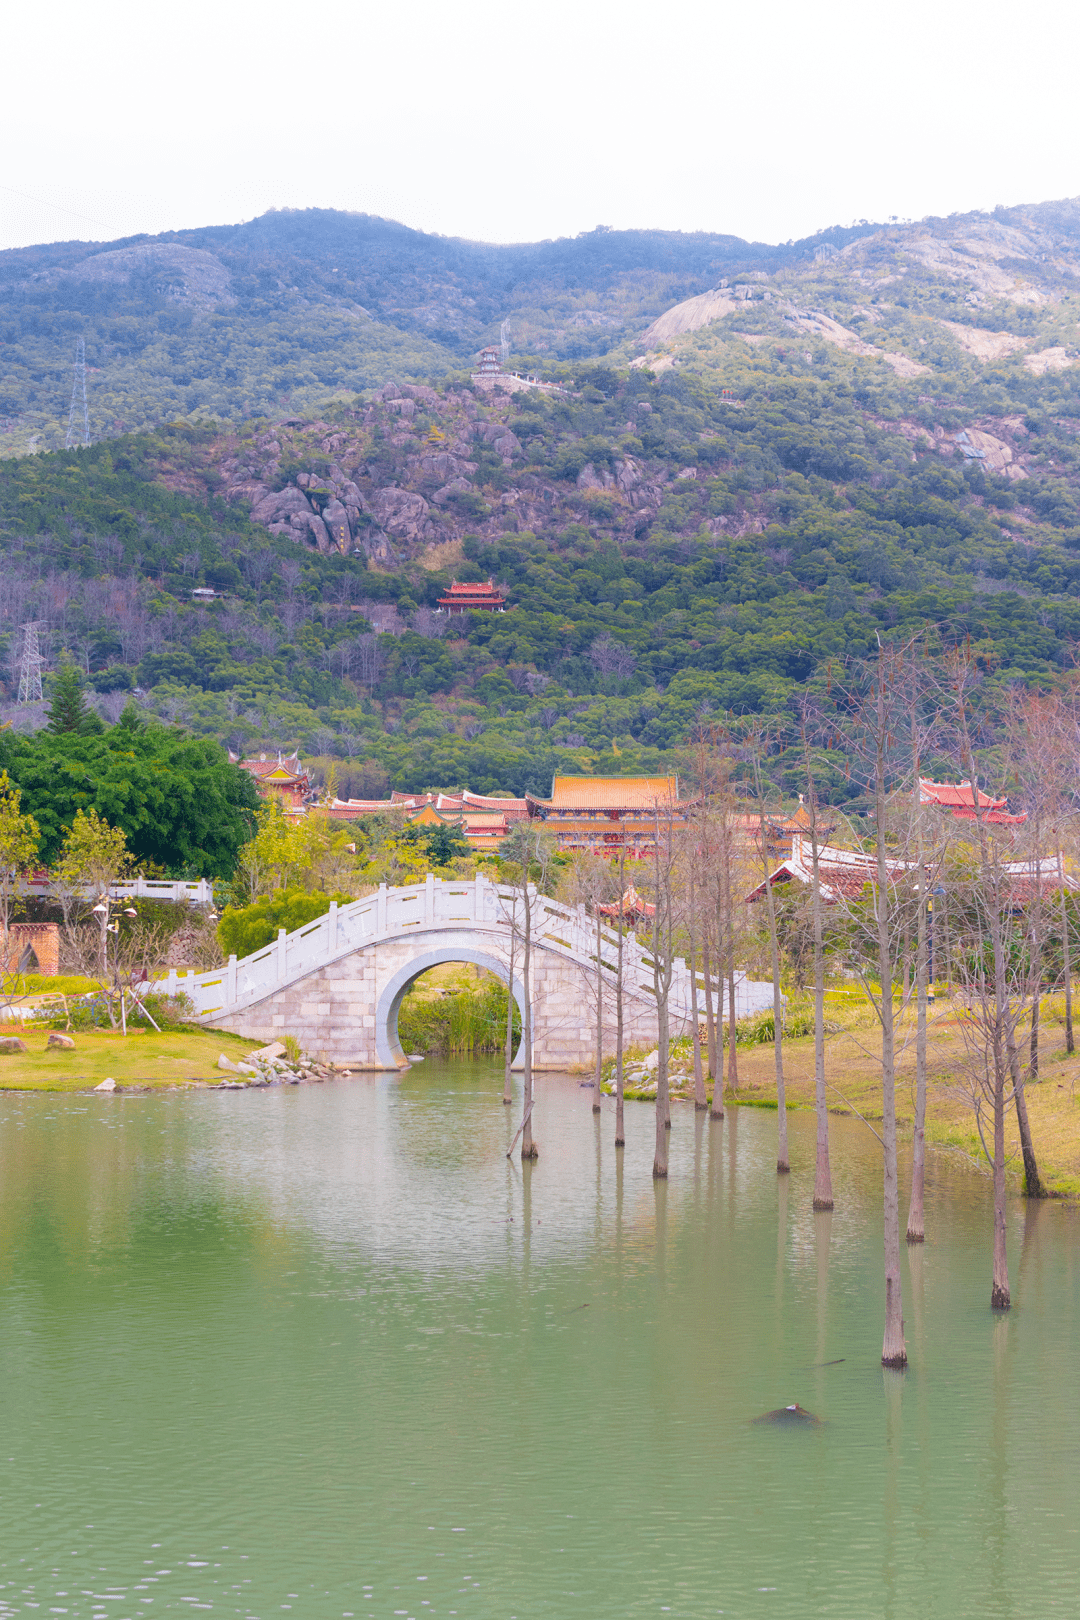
<point>743,461</point>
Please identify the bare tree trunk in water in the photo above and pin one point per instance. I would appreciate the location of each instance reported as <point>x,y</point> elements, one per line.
<point>893,1351</point>
<point>598,1078</point>
<point>823,1194</point>
<point>716,1110</point>
<point>916,1232</point>
<point>1036,955</point>
<point>700,1100</point>
<point>916,1229</point>
<point>663,1104</point>
<point>508,1088</point>
<point>782,1164</point>
<point>1066,953</point>
<point>620,1133</point>
<point>662,932</point>
<point>529,1149</point>
<point>732,1062</point>
<point>1000,1299</point>
<point>710,1025</point>
<point>1033,1185</point>
<point>1002,1043</point>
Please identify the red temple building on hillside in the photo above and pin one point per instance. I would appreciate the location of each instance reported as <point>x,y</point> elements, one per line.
<point>959,800</point>
<point>284,777</point>
<point>463,598</point>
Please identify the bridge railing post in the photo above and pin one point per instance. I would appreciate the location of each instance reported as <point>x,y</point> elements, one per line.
<point>331,929</point>
<point>380,910</point>
<point>230,983</point>
<point>478,898</point>
<point>189,988</point>
<point>429,898</point>
<point>282,949</point>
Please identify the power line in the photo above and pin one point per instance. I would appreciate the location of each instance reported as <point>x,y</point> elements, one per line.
<point>30,665</point>
<point>78,387</point>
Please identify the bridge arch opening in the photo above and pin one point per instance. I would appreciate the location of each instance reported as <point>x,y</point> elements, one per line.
<point>387,1041</point>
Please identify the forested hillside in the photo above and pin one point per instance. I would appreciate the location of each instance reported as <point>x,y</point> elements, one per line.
<point>871,436</point>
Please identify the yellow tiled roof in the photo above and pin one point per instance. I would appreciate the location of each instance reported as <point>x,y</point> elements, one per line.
<point>611,792</point>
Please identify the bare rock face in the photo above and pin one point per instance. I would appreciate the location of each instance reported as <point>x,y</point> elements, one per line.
<point>500,438</point>
<point>440,465</point>
<point>281,505</point>
<point>184,274</point>
<point>338,524</point>
<point>589,478</point>
<point>627,475</point>
<point>304,528</point>
<point>456,486</point>
<point>419,393</point>
<point>401,513</point>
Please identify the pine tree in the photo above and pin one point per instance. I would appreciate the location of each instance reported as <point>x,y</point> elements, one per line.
<point>67,708</point>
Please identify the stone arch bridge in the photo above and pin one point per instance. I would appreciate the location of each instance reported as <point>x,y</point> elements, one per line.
<point>337,983</point>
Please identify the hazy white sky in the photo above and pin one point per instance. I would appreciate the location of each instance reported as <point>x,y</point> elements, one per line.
<point>512,123</point>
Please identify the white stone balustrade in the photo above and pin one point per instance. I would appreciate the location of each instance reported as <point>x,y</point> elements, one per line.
<point>337,982</point>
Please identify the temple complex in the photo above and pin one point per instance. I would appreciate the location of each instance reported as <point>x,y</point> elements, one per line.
<point>483,819</point>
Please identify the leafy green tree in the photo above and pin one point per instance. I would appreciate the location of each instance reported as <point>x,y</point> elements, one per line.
<point>244,929</point>
<point>180,803</point>
<point>444,844</point>
<point>20,836</point>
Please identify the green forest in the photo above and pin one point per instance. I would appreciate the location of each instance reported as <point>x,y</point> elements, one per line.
<point>689,527</point>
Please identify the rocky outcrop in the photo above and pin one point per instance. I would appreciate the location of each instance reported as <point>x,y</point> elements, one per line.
<point>281,505</point>
<point>456,486</point>
<point>184,274</point>
<point>441,465</point>
<point>401,513</point>
<point>501,439</point>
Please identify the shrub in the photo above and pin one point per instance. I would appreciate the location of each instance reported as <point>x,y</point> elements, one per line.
<point>244,929</point>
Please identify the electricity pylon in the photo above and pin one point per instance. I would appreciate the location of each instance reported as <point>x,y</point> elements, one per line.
<point>78,387</point>
<point>30,666</point>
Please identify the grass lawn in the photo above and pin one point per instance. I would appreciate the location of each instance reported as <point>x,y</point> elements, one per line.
<point>149,1060</point>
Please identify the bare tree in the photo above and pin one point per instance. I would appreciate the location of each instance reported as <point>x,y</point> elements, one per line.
<point>612,657</point>
<point>865,717</point>
<point>370,660</point>
<point>757,740</point>
<point>996,961</point>
<point>663,966</point>
<point>620,1131</point>
<point>823,1192</point>
<point>528,851</point>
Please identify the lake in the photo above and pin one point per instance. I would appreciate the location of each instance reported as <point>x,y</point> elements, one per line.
<point>324,1351</point>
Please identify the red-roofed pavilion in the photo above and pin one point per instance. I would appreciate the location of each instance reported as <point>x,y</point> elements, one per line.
<point>469,598</point>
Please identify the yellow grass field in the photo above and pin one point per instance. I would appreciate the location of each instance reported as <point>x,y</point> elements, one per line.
<point>853,1072</point>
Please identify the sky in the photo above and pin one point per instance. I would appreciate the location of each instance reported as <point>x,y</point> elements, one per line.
<point>515,123</point>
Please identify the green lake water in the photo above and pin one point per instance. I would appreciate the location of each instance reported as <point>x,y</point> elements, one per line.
<point>324,1351</point>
